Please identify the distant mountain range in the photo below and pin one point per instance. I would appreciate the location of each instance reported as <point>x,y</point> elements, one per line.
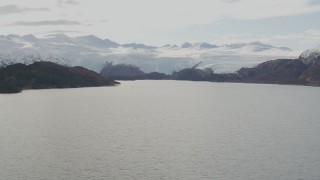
<point>42,75</point>
<point>92,52</point>
<point>302,71</point>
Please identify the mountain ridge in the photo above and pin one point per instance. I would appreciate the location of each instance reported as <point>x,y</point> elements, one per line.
<point>46,75</point>
<point>279,71</point>
<point>92,52</point>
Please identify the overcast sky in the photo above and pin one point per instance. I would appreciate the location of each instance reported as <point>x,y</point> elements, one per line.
<point>291,23</point>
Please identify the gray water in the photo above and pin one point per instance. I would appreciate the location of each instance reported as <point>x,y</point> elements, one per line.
<point>162,130</point>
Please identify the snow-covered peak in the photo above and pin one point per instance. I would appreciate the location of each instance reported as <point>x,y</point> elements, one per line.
<point>25,58</point>
<point>58,38</point>
<point>30,38</point>
<point>94,41</point>
<point>207,45</point>
<point>92,52</point>
<point>90,38</point>
<point>310,52</point>
<point>138,46</point>
<point>202,45</point>
<point>169,46</point>
<point>186,45</point>
<point>311,56</point>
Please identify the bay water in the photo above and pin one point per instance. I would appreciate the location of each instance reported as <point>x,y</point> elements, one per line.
<point>162,130</point>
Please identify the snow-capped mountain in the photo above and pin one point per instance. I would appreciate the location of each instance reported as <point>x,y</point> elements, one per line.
<point>138,46</point>
<point>311,56</point>
<point>92,52</point>
<point>199,45</point>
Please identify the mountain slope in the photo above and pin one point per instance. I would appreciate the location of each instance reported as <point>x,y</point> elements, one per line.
<point>121,71</point>
<point>281,71</point>
<point>311,56</point>
<point>45,75</point>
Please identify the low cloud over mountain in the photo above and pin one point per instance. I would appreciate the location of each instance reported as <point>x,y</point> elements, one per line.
<point>92,52</point>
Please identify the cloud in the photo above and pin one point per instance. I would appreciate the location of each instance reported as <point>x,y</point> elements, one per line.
<point>311,35</point>
<point>314,2</point>
<point>298,41</point>
<point>61,3</point>
<point>193,12</point>
<point>104,20</point>
<point>46,23</point>
<point>97,21</point>
<point>61,32</point>
<point>231,1</point>
<point>13,9</point>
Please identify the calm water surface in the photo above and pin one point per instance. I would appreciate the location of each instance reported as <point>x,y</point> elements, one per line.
<point>162,130</point>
